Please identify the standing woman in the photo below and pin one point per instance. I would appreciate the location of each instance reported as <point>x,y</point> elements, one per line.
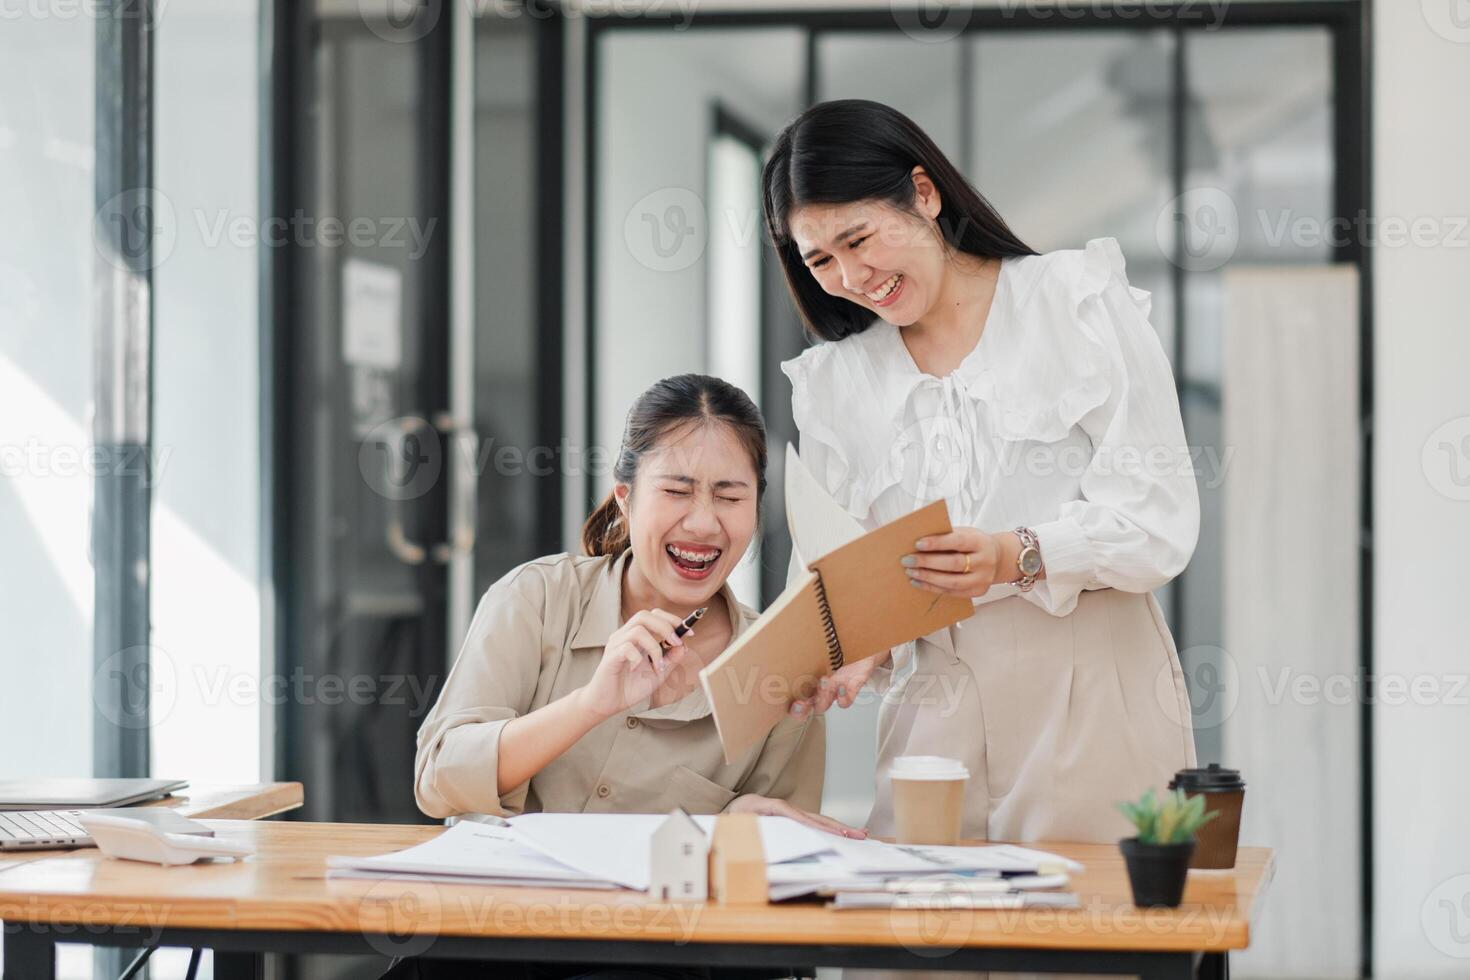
<point>1030,394</point>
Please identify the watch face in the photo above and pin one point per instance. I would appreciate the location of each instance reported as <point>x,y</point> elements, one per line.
<point>1030,561</point>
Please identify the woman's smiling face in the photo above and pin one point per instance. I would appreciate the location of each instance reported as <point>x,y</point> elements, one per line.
<point>691,515</point>
<point>881,257</point>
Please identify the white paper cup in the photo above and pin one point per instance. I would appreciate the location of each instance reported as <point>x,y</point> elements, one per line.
<point>928,798</point>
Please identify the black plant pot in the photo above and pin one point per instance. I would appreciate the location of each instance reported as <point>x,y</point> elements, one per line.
<point>1156,871</point>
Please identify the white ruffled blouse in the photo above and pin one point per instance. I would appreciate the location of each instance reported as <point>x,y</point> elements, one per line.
<point>1063,418</point>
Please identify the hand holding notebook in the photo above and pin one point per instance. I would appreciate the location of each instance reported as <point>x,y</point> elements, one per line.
<point>853,602</point>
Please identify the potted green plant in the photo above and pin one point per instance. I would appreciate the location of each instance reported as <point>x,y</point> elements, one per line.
<point>1158,857</point>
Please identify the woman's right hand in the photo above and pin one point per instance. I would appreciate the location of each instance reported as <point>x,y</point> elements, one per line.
<point>840,686</point>
<point>767,806</point>
<point>633,663</point>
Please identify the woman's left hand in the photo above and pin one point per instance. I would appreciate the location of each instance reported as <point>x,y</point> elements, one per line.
<point>966,562</point>
<point>767,806</point>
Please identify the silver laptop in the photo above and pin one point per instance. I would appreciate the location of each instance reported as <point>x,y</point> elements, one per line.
<point>29,830</point>
<point>82,794</point>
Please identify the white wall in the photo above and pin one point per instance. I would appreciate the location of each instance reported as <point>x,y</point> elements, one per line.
<point>1421,491</point>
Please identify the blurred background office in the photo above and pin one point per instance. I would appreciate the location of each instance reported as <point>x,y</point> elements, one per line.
<point>317,317</point>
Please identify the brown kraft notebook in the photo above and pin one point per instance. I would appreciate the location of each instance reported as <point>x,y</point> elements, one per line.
<point>851,603</point>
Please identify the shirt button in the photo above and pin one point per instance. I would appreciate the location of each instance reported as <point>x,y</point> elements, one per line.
<point>603,792</point>
<point>632,722</point>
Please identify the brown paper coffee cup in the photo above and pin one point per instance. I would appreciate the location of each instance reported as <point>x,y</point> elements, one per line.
<point>1224,793</point>
<point>928,798</point>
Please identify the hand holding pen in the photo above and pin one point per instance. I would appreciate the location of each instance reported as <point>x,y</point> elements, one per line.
<point>638,658</point>
<point>687,626</point>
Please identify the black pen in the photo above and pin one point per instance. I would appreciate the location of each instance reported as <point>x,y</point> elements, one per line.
<point>688,624</point>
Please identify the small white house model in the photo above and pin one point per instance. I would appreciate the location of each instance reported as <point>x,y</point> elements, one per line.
<point>679,860</point>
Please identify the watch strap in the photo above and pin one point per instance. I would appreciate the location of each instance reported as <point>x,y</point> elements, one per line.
<point>1029,543</point>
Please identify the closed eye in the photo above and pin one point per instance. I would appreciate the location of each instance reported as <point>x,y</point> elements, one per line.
<point>678,493</point>
<point>854,243</point>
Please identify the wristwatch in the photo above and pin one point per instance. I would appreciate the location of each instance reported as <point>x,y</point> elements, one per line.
<point>1029,560</point>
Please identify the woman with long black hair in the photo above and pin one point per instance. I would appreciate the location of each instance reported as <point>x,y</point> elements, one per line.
<point>1031,394</point>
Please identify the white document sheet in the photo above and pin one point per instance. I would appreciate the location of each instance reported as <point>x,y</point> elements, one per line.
<point>470,850</point>
<point>610,850</point>
<point>874,857</point>
<point>337,874</point>
<point>978,900</point>
<point>615,846</point>
<point>817,522</point>
<point>994,857</point>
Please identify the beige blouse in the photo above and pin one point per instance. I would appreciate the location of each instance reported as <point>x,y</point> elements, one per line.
<point>538,634</point>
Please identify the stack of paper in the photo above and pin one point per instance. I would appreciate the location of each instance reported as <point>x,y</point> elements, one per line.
<point>469,853</point>
<point>565,850</point>
<point>872,874</point>
<point>579,850</point>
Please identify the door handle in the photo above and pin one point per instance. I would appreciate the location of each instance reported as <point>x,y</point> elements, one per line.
<point>400,469</point>
<point>464,447</point>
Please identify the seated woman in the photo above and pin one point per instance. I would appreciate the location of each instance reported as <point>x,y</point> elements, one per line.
<point>564,698</point>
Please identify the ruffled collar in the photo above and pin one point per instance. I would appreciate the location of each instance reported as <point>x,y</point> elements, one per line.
<point>1034,379</point>
<point>1039,367</point>
<point>973,367</point>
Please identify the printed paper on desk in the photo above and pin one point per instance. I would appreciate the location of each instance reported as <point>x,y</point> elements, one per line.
<point>995,857</point>
<point>616,846</point>
<point>467,850</point>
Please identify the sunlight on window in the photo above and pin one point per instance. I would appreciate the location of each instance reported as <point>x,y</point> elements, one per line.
<point>735,295</point>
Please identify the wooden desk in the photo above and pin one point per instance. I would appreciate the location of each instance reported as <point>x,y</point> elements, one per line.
<point>205,801</point>
<point>211,802</point>
<point>281,901</point>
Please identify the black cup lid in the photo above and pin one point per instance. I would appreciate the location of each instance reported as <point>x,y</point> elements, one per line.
<point>1212,779</point>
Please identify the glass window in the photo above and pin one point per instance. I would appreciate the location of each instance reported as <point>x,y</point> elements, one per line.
<point>515,473</point>
<point>1071,142</point>
<point>206,430</point>
<point>47,460</point>
<point>676,215</point>
<point>1258,163</point>
<point>734,293</point>
<point>47,262</point>
<point>918,78</point>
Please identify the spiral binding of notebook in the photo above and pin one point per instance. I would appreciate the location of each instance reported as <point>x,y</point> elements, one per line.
<point>834,646</point>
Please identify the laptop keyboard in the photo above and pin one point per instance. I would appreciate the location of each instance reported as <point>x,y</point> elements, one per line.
<point>37,828</point>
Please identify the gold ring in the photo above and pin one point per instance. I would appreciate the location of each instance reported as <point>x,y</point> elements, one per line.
<point>967,564</point>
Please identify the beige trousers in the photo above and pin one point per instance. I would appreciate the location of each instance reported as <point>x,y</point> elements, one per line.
<point>1057,717</point>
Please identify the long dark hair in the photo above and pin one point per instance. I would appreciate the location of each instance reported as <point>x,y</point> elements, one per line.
<point>855,150</point>
<point>684,399</point>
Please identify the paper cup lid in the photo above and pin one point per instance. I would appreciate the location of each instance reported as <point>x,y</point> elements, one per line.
<point>927,767</point>
<point>1215,778</point>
